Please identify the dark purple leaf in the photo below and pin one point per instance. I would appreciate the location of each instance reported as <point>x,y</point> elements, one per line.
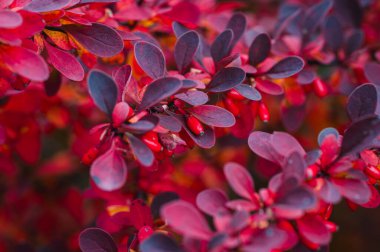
<point>306,76</point>
<point>179,29</point>
<point>349,12</point>
<point>140,127</point>
<point>294,167</point>
<point>363,101</point>
<point>185,49</point>
<point>226,79</point>
<point>292,117</point>
<point>147,38</point>
<point>98,39</point>
<point>96,239</point>
<point>151,59</point>
<point>159,90</point>
<point>103,90</point>
<point>259,49</point>
<point>326,132</point>
<point>237,24</point>
<point>354,42</point>
<point>98,1</point>
<point>213,115</point>
<point>161,199</point>
<point>227,60</point>
<point>360,135</point>
<point>333,33</point>
<point>297,198</point>
<point>221,46</point>
<point>372,71</point>
<point>159,242</point>
<point>193,97</point>
<point>212,201</point>
<point>286,67</point>
<point>109,171</point>
<point>187,84</point>
<point>168,122</point>
<point>46,5</point>
<point>142,152</point>
<point>248,92</point>
<point>315,15</point>
<point>53,84</point>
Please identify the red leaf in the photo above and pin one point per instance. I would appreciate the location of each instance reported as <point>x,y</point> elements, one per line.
<point>313,229</point>
<point>239,179</point>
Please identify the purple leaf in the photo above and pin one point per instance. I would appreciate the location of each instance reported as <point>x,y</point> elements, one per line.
<point>159,90</point>
<point>179,29</point>
<point>213,115</point>
<point>193,97</point>
<point>315,15</point>
<point>363,101</point>
<point>65,63</point>
<point>160,200</point>
<point>356,190</point>
<point>248,92</point>
<point>360,135</point>
<point>98,39</point>
<point>151,59</point>
<point>122,76</point>
<point>142,126</point>
<point>354,42</point>
<point>306,76</point>
<point>287,67</point>
<point>98,1</point>
<point>292,117</point>
<point>326,132</point>
<point>211,201</point>
<point>109,170</point>
<point>103,90</point>
<point>333,33</point>
<point>313,229</point>
<point>96,239</point>
<point>237,24</point>
<point>284,144</point>
<point>259,143</point>
<point>46,5</point>
<point>267,240</point>
<point>142,152</point>
<point>168,122</point>
<point>221,46</point>
<point>187,84</point>
<point>295,197</point>
<point>372,71</point>
<point>185,49</point>
<point>10,19</point>
<point>159,242</point>
<point>186,219</point>
<point>239,179</point>
<point>328,192</point>
<point>240,219</point>
<point>294,167</point>
<point>226,79</point>
<point>259,49</point>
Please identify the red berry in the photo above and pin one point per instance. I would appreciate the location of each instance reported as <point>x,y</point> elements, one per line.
<point>373,172</point>
<point>144,233</point>
<point>233,94</point>
<point>331,226</point>
<point>264,112</point>
<point>90,156</point>
<point>151,140</point>
<point>231,106</point>
<point>320,88</point>
<point>312,171</point>
<point>195,125</point>
<point>328,211</point>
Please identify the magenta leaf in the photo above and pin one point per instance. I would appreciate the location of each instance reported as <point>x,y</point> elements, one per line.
<point>313,229</point>
<point>269,87</point>
<point>109,170</point>
<point>211,201</point>
<point>159,242</point>
<point>142,152</point>
<point>161,199</point>
<point>185,49</point>
<point>237,24</point>
<point>122,76</point>
<point>151,59</point>
<point>103,90</point>
<point>186,219</point>
<point>239,179</point>
<point>333,33</point>
<point>193,97</point>
<point>96,239</point>
<point>120,113</point>
<point>259,143</point>
<point>248,92</point>
<point>259,49</point>
<point>98,39</point>
<point>372,71</point>
<point>24,62</point>
<point>221,46</point>
<point>355,190</point>
<point>10,19</point>
<point>46,5</point>
<point>284,144</point>
<point>226,79</point>
<point>213,115</point>
<point>267,240</point>
<point>65,63</point>
<point>158,90</point>
<point>360,135</point>
<point>287,67</point>
<point>97,1</point>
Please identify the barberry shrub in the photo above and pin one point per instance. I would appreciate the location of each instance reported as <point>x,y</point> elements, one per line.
<point>186,126</point>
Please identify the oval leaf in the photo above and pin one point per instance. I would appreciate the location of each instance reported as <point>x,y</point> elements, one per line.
<point>237,24</point>
<point>160,243</point>
<point>221,46</point>
<point>103,90</point>
<point>248,92</point>
<point>226,79</point>
<point>193,97</point>
<point>159,90</point>
<point>363,101</point>
<point>142,152</point>
<point>96,239</point>
<point>46,5</point>
<point>211,201</point>
<point>213,115</point>
<point>286,67</point>
<point>185,49</point>
<point>259,49</point>
<point>372,71</point>
<point>98,39</point>
<point>151,59</point>
<point>239,179</point>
